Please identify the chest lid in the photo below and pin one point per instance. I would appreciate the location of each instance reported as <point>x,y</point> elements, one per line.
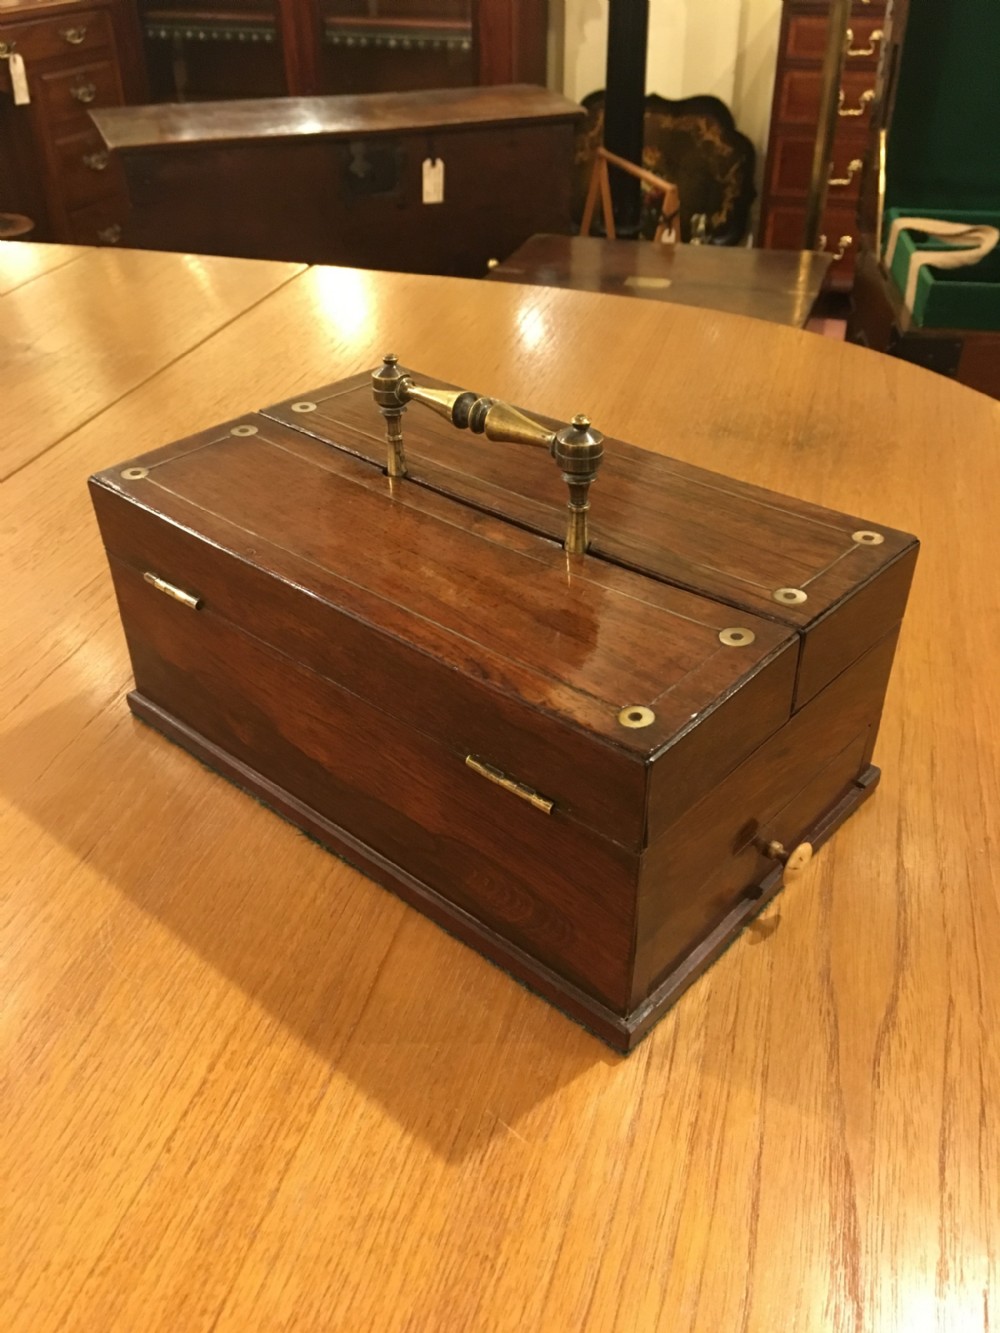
<point>838,582</point>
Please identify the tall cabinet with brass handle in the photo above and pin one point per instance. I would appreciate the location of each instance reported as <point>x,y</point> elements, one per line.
<point>794,117</point>
<point>53,165</point>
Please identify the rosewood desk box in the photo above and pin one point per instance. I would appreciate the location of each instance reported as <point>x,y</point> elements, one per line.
<point>593,762</point>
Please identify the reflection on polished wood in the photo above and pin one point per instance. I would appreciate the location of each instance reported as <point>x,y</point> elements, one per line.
<point>777,285</point>
<point>247,1089</point>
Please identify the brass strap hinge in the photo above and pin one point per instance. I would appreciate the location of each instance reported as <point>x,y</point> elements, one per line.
<point>171,589</point>
<point>509,784</point>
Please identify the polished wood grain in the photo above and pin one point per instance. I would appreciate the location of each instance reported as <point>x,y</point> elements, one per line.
<point>23,263</point>
<point>83,335</point>
<point>781,286</point>
<point>169,124</point>
<point>248,1089</point>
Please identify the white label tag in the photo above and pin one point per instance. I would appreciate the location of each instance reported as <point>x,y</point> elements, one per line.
<point>19,79</point>
<point>433,180</point>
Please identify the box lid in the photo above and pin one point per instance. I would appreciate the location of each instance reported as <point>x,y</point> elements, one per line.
<point>466,628</point>
<point>942,145</point>
<point>839,582</point>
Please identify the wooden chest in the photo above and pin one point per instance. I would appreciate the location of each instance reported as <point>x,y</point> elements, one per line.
<point>594,768</point>
<point>217,178</point>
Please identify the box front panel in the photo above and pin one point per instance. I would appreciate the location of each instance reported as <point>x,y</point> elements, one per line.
<point>562,894</point>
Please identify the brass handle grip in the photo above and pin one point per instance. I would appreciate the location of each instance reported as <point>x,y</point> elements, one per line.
<point>110,235</point>
<point>84,92</point>
<point>75,36</point>
<point>96,161</point>
<point>867,96</point>
<point>853,52</point>
<point>577,448</point>
<point>853,167</point>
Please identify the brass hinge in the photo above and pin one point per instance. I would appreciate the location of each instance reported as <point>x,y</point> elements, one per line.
<point>171,589</point>
<point>509,784</point>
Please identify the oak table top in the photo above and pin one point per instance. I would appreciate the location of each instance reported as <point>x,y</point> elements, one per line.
<point>776,285</point>
<point>247,1089</point>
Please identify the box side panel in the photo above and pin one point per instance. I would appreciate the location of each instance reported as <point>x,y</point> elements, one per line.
<point>697,872</point>
<point>563,895</point>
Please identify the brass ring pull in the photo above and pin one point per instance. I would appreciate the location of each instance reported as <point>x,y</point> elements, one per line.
<point>871,49</point>
<point>110,235</point>
<point>853,167</point>
<point>84,92</point>
<point>867,96</point>
<point>75,36</point>
<point>96,161</point>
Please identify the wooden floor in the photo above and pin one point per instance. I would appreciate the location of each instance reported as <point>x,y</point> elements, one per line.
<point>245,1089</point>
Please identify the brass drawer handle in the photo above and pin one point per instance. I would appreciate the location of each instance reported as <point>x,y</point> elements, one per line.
<point>7,49</point>
<point>509,784</point>
<point>187,599</point>
<point>871,49</point>
<point>98,161</point>
<point>110,235</point>
<point>853,167</point>
<point>84,92</point>
<point>843,245</point>
<point>75,36</point>
<point>867,96</point>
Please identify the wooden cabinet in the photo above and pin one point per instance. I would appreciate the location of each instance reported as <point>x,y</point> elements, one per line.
<point>53,164</point>
<point>268,48</point>
<point>794,120</point>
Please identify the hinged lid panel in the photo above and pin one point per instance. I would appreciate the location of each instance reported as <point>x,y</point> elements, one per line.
<point>465,626</point>
<point>741,545</point>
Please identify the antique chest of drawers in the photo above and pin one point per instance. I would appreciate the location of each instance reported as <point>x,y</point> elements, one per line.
<point>794,118</point>
<point>590,747</point>
<point>54,166</point>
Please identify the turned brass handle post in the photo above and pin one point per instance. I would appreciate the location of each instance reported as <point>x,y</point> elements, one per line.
<point>577,448</point>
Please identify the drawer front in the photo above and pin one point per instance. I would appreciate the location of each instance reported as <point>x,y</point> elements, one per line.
<point>68,95</point>
<point>791,166</point>
<point>87,171</point>
<point>49,38</point>
<point>785,230</point>
<point>807,40</point>
<point>101,223</point>
<point>553,888</point>
<point>799,97</point>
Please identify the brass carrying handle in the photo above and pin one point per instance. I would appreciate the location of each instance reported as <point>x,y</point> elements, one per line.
<point>75,36</point>
<point>853,167</point>
<point>853,52</point>
<point>98,161</point>
<point>867,96</point>
<point>577,448</point>
<point>84,92</point>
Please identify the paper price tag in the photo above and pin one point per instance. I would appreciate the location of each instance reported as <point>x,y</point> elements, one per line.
<point>433,180</point>
<point>19,79</point>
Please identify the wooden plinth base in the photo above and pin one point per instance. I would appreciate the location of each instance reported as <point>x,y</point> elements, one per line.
<point>621,1031</point>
